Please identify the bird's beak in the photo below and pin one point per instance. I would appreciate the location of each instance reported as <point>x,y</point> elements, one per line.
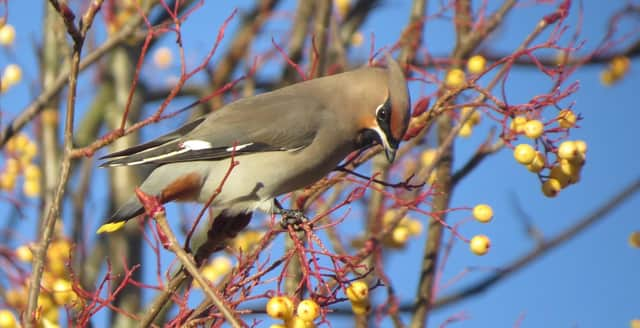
<point>390,153</point>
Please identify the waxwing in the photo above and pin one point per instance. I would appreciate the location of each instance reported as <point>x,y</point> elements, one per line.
<point>283,140</point>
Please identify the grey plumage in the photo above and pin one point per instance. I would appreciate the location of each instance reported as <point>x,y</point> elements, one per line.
<point>283,140</point>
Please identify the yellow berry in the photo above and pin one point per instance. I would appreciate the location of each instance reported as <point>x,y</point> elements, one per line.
<point>7,35</point>
<point>474,119</point>
<point>357,39</point>
<point>16,298</point>
<point>568,167</point>
<point>428,156</point>
<point>342,6</point>
<point>32,172</point>
<point>483,213</point>
<point>517,124</point>
<point>30,151</point>
<point>415,227</point>
<point>280,307</point>
<point>480,244</point>
<point>51,318</point>
<point>566,118</point>
<point>607,78</point>
<point>308,310</point>
<point>533,129</point>
<point>524,154</point>
<point>634,239</point>
<point>31,188</point>
<point>162,57</point>
<point>12,166</point>
<point>297,322</point>
<point>455,78</point>
<point>62,292</point>
<point>8,181</point>
<point>581,146</point>
<point>12,74</point>
<point>360,308</point>
<point>551,188</point>
<point>560,176</point>
<point>358,291</point>
<point>466,130</point>
<point>567,150</point>
<point>400,235</point>
<point>619,65</point>
<point>476,64</point>
<point>7,319</point>
<point>537,164</point>
<point>24,254</point>
<point>635,323</point>
<point>45,303</point>
<point>59,250</point>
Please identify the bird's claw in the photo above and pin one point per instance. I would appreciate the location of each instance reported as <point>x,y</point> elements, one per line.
<point>292,218</point>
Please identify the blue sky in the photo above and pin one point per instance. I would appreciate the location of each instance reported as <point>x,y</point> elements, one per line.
<point>590,281</point>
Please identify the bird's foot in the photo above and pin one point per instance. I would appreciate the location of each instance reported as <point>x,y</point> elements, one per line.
<point>292,218</point>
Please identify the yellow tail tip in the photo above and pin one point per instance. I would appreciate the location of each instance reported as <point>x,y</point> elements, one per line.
<point>110,227</point>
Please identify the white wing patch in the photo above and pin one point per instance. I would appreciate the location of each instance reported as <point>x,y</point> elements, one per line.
<point>239,147</point>
<point>196,144</point>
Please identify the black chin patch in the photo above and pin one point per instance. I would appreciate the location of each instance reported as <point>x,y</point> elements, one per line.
<point>367,137</point>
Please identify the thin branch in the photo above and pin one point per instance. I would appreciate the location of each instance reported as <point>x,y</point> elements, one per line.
<point>54,209</point>
<point>190,265</point>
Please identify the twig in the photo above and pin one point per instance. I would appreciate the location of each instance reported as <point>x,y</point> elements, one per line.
<point>543,247</point>
<point>54,209</point>
<point>34,108</point>
<point>189,264</point>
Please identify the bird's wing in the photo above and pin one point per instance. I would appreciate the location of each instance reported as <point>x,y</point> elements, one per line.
<point>272,122</point>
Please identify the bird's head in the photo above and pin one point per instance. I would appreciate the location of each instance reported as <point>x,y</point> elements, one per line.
<point>386,123</point>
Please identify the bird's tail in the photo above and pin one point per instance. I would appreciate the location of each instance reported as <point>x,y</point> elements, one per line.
<point>125,213</point>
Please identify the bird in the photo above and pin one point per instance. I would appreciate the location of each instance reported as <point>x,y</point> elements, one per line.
<point>282,141</point>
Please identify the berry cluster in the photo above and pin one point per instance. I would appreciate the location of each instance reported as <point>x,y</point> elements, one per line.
<point>282,307</point>
<point>21,151</point>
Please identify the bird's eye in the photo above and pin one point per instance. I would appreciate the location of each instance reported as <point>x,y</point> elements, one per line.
<point>383,112</point>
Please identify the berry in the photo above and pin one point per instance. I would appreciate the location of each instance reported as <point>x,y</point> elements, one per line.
<point>466,130</point>
<point>524,154</point>
<point>517,124</point>
<point>480,244</point>
<point>162,57</point>
<point>358,291</point>
<point>566,118</point>
<point>567,150</point>
<point>31,188</point>
<point>400,235</point>
<point>24,254</point>
<point>308,310</point>
<point>581,146</point>
<point>634,239</point>
<point>455,78</point>
<point>12,75</point>
<point>551,188</point>
<point>428,156</point>
<point>476,64</point>
<point>7,35</point>
<point>537,164</point>
<point>280,307</point>
<point>62,292</point>
<point>533,129</point>
<point>474,119</point>
<point>619,66</point>
<point>483,213</point>
<point>7,319</point>
<point>360,308</point>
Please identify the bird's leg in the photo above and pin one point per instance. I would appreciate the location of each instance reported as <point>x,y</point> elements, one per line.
<point>294,218</point>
